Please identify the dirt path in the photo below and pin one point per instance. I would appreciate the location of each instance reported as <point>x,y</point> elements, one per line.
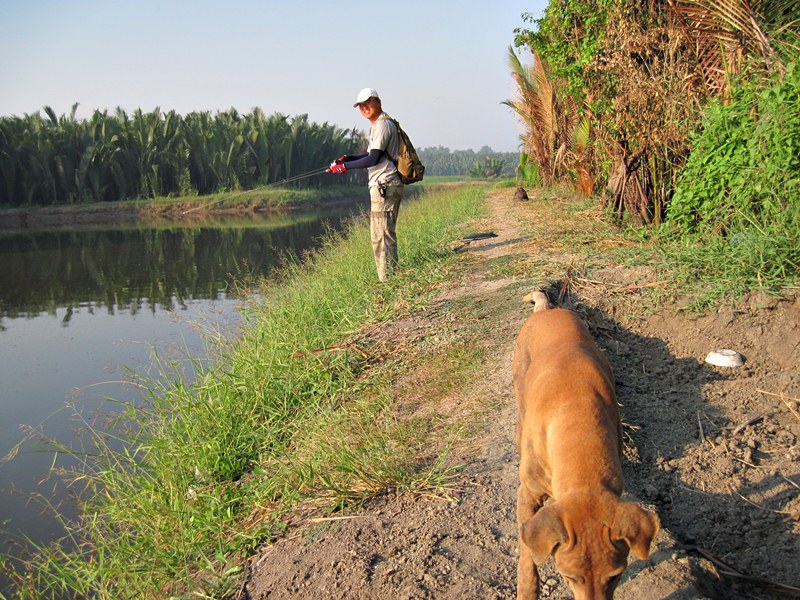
<point>727,488</point>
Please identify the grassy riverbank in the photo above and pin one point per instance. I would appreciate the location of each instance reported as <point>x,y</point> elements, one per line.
<point>290,417</point>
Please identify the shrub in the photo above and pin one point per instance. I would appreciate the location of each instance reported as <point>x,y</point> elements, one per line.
<point>744,171</point>
<point>736,206</point>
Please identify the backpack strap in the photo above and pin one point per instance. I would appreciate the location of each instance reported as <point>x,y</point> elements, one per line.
<point>386,117</point>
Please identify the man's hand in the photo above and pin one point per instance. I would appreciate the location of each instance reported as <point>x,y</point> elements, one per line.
<point>337,168</point>
<point>341,159</point>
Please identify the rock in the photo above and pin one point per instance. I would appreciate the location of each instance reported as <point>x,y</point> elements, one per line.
<point>650,491</point>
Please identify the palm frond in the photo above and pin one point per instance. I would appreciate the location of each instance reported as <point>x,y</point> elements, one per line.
<point>727,32</point>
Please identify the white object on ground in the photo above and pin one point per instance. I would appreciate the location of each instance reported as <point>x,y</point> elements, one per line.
<point>725,358</point>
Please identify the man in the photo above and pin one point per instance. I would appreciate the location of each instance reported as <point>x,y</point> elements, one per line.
<point>385,187</point>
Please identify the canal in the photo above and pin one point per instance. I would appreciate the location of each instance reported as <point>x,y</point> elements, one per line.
<point>85,311</point>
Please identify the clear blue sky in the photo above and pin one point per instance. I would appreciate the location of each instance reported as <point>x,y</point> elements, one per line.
<point>439,66</point>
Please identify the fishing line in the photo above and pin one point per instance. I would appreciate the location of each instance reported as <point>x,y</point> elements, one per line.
<point>282,181</point>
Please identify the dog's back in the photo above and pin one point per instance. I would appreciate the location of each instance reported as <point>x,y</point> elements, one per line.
<point>565,387</point>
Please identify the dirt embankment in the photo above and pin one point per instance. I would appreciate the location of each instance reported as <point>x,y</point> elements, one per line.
<point>114,214</point>
<point>713,450</point>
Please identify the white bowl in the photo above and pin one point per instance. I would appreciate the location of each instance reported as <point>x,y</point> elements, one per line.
<point>725,358</point>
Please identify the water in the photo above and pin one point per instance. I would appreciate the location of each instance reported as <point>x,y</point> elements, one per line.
<point>81,308</point>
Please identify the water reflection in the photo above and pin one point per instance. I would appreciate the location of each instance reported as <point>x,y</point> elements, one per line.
<point>142,268</point>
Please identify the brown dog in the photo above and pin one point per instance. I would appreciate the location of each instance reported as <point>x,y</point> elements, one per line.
<point>570,441</point>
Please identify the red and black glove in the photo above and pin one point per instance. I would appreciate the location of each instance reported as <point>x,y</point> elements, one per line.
<point>337,168</point>
<point>341,159</point>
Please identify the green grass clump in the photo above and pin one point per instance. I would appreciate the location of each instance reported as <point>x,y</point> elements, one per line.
<point>293,415</point>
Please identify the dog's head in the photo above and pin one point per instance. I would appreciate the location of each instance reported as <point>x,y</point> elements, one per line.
<point>590,553</point>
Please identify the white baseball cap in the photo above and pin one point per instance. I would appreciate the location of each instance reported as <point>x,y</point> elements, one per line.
<point>365,95</point>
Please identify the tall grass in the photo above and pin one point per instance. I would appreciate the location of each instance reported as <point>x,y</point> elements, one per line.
<point>292,415</point>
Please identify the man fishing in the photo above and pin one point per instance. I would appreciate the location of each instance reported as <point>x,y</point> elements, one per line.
<point>385,187</point>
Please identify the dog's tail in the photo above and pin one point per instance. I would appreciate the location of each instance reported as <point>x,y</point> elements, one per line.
<point>539,300</point>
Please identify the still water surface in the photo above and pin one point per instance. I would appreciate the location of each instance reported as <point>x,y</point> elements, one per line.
<point>81,308</point>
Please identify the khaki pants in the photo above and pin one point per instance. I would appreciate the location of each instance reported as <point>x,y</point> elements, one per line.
<point>382,221</point>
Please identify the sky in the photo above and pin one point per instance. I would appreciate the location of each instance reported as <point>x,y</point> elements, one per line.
<point>440,66</point>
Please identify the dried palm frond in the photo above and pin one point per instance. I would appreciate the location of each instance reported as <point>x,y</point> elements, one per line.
<point>535,106</point>
<point>727,32</point>
<point>549,123</point>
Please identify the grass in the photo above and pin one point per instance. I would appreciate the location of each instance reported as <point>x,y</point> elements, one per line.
<point>716,270</point>
<point>700,272</point>
<point>433,180</point>
<point>271,197</point>
<point>268,197</point>
<point>294,416</point>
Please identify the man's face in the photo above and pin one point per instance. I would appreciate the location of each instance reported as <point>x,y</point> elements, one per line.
<point>371,109</point>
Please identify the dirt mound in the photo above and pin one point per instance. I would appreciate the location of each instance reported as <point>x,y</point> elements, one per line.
<point>713,450</point>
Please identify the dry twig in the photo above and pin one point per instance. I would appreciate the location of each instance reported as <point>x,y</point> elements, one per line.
<point>726,570</point>
<point>344,518</point>
<point>785,399</point>
<point>565,285</point>
<point>777,512</point>
<point>700,426</point>
<point>741,426</point>
<point>638,286</point>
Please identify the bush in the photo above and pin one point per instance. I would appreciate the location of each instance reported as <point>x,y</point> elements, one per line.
<point>744,170</point>
<point>736,208</point>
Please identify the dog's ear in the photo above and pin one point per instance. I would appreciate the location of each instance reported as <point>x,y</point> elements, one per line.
<point>636,526</point>
<point>543,532</point>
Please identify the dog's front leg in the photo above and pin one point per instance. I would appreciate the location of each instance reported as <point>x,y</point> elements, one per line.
<point>527,574</point>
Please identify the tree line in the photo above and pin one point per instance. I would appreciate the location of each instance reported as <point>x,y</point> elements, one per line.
<point>485,163</point>
<point>47,159</point>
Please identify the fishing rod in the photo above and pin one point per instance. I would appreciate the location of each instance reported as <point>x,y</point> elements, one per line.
<point>319,171</point>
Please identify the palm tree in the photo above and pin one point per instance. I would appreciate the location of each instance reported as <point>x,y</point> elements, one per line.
<point>549,122</point>
<point>535,107</point>
<point>556,138</point>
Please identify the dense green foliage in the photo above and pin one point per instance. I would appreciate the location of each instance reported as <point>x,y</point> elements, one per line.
<point>691,108</point>
<point>744,169</point>
<point>441,161</point>
<point>569,37</point>
<point>529,174</point>
<point>641,72</point>
<point>737,201</point>
<point>63,160</point>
